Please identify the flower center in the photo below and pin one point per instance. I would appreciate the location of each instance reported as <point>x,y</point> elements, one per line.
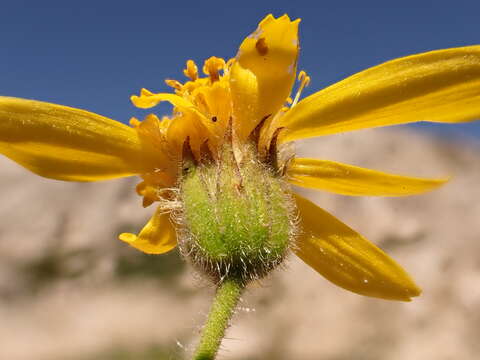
<point>203,111</point>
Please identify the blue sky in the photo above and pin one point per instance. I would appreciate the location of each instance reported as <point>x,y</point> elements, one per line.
<point>95,54</point>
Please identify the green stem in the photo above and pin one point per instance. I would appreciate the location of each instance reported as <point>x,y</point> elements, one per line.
<point>223,307</point>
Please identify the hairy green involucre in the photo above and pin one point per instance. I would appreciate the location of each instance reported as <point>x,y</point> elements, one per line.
<point>236,217</point>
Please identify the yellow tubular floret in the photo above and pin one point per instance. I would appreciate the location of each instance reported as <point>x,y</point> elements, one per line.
<point>157,237</point>
<point>64,143</point>
<point>263,74</point>
<point>214,102</point>
<point>191,71</point>
<point>347,259</point>
<point>437,86</point>
<point>352,180</point>
<point>212,67</point>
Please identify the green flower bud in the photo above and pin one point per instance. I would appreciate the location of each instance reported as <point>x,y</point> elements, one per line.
<point>237,219</point>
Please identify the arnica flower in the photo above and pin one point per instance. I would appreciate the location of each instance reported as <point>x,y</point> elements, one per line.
<point>218,167</point>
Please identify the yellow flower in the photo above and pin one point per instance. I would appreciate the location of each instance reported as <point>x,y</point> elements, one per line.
<point>248,96</point>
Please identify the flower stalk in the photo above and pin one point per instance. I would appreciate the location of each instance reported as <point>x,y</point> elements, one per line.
<point>222,309</point>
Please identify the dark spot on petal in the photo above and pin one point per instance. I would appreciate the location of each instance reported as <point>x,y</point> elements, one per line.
<point>261,46</point>
<point>214,119</point>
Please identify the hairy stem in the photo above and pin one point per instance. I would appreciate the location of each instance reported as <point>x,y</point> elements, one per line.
<point>223,307</point>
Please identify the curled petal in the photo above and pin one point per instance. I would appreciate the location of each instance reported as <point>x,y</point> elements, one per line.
<point>157,237</point>
<point>191,123</point>
<point>352,180</point>
<point>64,143</point>
<point>438,86</point>
<point>148,100</point>
<point>263,74</point>
<point>347,259</point>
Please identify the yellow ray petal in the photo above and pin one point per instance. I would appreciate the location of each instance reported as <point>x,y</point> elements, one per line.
<point>352,180</point>
<point>437,86</point>
<point>263,74</point>
<point>64,143</point>
<point>157,237</point>
<point>148,100</point>
<point>347,259</point>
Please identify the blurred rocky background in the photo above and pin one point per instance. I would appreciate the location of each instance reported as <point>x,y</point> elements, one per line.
<point>70,291</point>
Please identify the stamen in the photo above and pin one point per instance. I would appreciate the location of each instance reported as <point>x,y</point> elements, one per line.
<point>191,71</point>
<point>304,81</point>
<point>212,67</point>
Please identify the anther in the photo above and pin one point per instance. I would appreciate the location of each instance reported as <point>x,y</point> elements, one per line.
<point>304,81</point>
<point>191,71</point>
<point>212,67</point>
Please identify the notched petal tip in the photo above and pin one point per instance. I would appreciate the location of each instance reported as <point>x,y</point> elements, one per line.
<point>266,20</point>
<point>273,44</point>
<point>271,19</point>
